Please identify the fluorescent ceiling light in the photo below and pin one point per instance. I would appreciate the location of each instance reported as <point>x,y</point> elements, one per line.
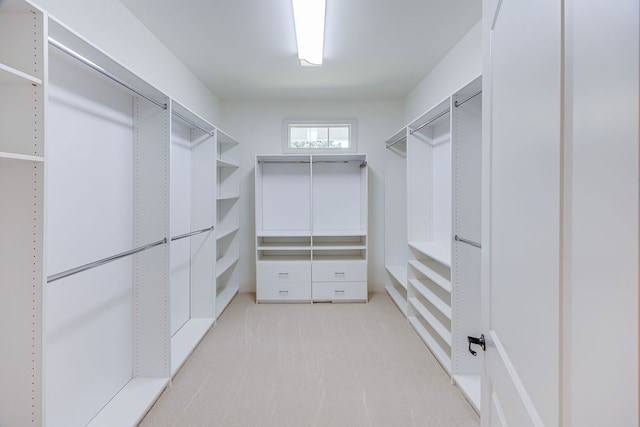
<point>309,21</point>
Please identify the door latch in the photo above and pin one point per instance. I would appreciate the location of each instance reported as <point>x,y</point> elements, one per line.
<point>478,341</point>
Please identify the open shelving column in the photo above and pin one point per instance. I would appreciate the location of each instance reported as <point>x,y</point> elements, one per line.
<point>395,219</point>
<point>193,243</point>
<point>22,155</point>
<point>227,220</point>
<point>108,327</point>
<point>339,200</point>
<point>283,227</point>
<point>429,230</point>
<point>466,141</point>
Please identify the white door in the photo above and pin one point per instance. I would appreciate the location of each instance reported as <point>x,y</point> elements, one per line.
<point>521,212</point>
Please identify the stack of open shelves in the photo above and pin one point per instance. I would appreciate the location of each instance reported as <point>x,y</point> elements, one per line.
<point>433,185</point>
<point>311,227</point>
<point>429,230</point>
<point>228,220</point>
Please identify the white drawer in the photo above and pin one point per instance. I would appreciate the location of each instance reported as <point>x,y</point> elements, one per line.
<point>337,291</point>
<point>283,271</point>
<point>339,271</point>
<point>270,291</point>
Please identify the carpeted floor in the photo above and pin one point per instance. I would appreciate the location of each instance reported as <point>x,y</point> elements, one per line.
<point>311,365</point>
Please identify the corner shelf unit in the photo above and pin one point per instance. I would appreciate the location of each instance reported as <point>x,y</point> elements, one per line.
<point>311,228</point>
<point>228,220</point>
<point>106,291</point>
<point>436,160</point>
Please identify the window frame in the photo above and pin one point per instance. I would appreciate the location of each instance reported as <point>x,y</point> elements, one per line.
<point>353,133</point>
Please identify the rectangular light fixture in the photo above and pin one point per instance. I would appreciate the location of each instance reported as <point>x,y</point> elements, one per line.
<point>309,21</point>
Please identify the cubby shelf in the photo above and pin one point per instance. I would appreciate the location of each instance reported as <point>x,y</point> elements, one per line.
<point>434,251</point>
<point>399,274</point>
<point>11,76</point>
<point>432,275</point>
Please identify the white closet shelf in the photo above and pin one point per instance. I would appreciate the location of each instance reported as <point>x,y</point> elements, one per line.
<point>224,264</point>
<point>282,247</point>
<point>399,273</point>
<point>225,233</point>
<point>339,233</point>
<point>437,326</point>
<point>224,298</point>
<point>185,340</point>
<point>442,356</point>
<point>471,388</point>
<point>436,252</point>
<point>224,164</point>
<point>432,275</point>
<point>442,306</point>
<point>327,246</point>
<point>295,258</point>
<point>10,76</point>
<point>231,197</point>
<point>284,233</point>
<point>334,257</point>
<point>223,138</point>
<point>399,299</point>
<point>25,157</point>
<point>130,405</point>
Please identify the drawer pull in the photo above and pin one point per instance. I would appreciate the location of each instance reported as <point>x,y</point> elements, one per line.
<point>339,273</point>
<point>283,274</point>
<point>339,291</point>
<point>283,292</point>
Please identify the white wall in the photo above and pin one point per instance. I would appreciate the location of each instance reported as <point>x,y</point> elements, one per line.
<point>258,127</point>
<point>462,64</point>
<point>109,26</point>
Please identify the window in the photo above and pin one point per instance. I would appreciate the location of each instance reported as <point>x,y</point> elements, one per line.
<point>313,136</point>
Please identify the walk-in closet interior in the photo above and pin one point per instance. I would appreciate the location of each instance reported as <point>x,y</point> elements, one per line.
<point>488,189</point>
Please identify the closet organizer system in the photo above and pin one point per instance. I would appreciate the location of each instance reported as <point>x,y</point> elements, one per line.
<point>311,227</point>
<point>106,291</point>
<point>432,230</point>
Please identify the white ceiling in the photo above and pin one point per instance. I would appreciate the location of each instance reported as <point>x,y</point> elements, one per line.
<point>246,49</point>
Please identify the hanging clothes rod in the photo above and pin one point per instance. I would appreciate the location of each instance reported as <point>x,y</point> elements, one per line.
<point>430,121</point>
<point>396,141</point>
<point>103,261</point>
<point>192,123</point>
<point>362,163</point>
<point>457,104</point>
<point>193,233</point>
<point>468,242</point>
<point>104,72</point>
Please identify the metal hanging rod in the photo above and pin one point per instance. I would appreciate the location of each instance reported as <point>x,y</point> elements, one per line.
<point>459,103</point>
<point>429,122</point>
<point>193,233</point>
<point>103,261</point>
<point>362,163</point>
<point>104,72</point>
<point>396,141</point>
<point>468,242</point>
<point>192,123</point>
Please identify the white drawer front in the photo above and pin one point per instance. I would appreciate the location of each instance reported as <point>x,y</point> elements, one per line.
<point>270,291</point>
<point>339,271</point>
<point>283,272</point>
<point>336,291</point>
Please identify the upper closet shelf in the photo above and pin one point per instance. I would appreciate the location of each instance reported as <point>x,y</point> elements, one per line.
<point>284,233</point>
<point>225,164</point>
<point>223,138</point>
<point>11,76</point>
<point>436,252</point>
<point>338,233</point>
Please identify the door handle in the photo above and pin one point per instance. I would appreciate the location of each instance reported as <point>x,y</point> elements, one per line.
<point>478,341</point>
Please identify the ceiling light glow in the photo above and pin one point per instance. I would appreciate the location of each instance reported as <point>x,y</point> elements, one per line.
<point>309,22</point>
